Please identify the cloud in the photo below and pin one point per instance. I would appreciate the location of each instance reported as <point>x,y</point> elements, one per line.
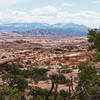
<point>50,14</point>
<point>45,11</point>
<point>96,1</point>
<point>67,4</point>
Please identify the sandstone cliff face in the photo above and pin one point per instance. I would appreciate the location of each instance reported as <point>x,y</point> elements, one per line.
<point>71,59</point>
<point>37,51</point>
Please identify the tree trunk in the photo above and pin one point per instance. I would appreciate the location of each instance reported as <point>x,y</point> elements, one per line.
<point>55,94</point>
<point>69,91</point>
<point>23,98</point>
<point>34,97</point>
<point>47,97</point>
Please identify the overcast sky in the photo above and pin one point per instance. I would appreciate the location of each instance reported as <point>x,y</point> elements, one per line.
<point>85,12</point>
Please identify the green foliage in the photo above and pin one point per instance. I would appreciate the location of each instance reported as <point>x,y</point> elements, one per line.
<point>28,62</point>
<point>86,72</point>
<point>1,68</point>
<point>38,93</point>
<point>7,93</point>
<point>15,70</point>
<point>94,39</point>
<point>15,81</point>
<point>63,93</point>
<point>3,57</point>
<point>58,78</point>
<point>97,58</point>
<point>59,97</point>
<point>38,74</point>
<point>89,83</point>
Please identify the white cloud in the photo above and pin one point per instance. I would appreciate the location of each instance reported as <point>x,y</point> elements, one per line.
<point>51,14</point>
<point>45,11</point>
<point>96,1</point>
<point>67,4</point>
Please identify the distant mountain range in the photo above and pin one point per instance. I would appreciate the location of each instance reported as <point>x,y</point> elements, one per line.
<point>44,29</point>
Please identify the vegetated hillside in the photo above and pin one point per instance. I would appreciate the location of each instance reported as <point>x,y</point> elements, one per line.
<point>43,29</point>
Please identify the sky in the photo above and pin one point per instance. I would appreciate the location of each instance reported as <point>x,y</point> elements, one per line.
<point>85,12</point>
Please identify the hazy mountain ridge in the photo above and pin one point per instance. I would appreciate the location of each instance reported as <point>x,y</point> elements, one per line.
<point>55,32</point>
<point>18,26</point>
<point>44,29</point>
